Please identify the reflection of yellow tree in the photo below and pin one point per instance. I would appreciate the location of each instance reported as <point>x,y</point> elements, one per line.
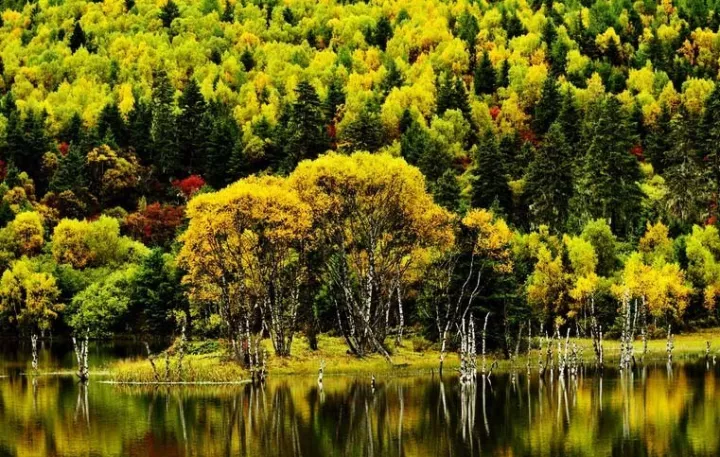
<point>403,417</point>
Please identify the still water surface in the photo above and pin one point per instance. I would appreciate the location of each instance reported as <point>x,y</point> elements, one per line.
<point>652,412</point>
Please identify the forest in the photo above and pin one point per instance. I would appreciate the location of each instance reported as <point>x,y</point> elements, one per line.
<point>373,170</point>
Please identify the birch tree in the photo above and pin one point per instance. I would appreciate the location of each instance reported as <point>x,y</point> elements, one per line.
<point>484,246</point>
<point>244,250</point>
<point>377,225</point>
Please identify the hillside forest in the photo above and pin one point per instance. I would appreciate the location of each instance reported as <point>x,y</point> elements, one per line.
<point>375,170</point>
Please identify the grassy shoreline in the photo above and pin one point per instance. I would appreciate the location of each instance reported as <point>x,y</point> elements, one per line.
<point>412,357</point>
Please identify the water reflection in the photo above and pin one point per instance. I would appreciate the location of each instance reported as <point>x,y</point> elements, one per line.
<point>646,411</point>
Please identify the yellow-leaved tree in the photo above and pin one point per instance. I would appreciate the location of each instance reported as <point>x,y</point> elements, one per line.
<point>584,279</point>
<point>30,298</point>
<point>652,277</point>
<point>244,249</point>
<point>486,238</point>
<point>98,243</point>
<point>375,222</point>
<point>703,254</point>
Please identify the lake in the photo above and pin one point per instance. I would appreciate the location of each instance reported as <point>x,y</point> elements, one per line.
<point>651,411</point>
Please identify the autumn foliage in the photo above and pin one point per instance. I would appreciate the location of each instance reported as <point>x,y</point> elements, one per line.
<point>155,225</point>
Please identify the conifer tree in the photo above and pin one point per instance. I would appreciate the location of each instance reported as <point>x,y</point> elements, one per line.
<point>558,57</point>
<point>73,130</point>
<point>383,33</point>
<point>365,132</point>
<point>468,29</point>
<point>393,78</point>
<point>163,131</point>
<point>191,128</point>
<point>406,121</point>
<point>335,98</point>
<point>484,78</point>
<point>71,173</point>
<point>77,39</point>
<point>168,13</point>
<point>228,13</point>
<point>549,181</point>
<point>657,142</point>
<point>156,292</point>
<point>247,59</point>
<point>8,105</point>
<point>219,145</point>
<point>711,140</point>
<point>414,142</point>
<point>140,124</point>
<point>548,107</point>
<point>26,141</point>
<point>512,24</point>
<point>452,95</point>
<point>110,122</point>
<point>609,176</point>
<point>569,120</point>
<point>689,182</point>
<point>549,34</point>
<point>446,191</point>
<point>503,79</point>
<point>511,149</point>
<point>305,134</point>
<point>490,187</point>
<point>272,150</point>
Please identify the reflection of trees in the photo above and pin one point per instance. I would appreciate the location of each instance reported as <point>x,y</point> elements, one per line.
<point>82,408</point>
<point>643,413</point>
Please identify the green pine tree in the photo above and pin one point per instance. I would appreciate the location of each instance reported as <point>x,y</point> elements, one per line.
<point>484,78</point>
<point>191,128</point>
<point>156,293</point>
<point>8,105</point>
<point>511,149</point>
<point>548,107</point>
<point>549,34</point>
<point>219,145</point>
<point>711,140</point>
<point>452,95</point>
<point>549,182</point>
<point>73,130</point>
<point>163,130</point>
<point>305,134</point>
<point>558,57</point>
<point>111,122</point>
<point>468,29</point>
<point>490,186</point>
<point>26,141</point>
<point>77,39</point>
<point>140,123</point>
<point>657,142</point>
<point>446,191</point>
<point>365,132</point>
<point>168,13</point>
<point>335,97</point>
<point>72,172</point>
<point>383,33</point>
<point>414,142</point>
<point>503,79</point>
<point>228,13</point>
<point>569,119</point>
<point>688,180</point>
<point>609,175</point>
<point>393,78</point>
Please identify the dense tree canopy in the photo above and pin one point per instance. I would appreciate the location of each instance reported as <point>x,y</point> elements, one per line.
<point>297,161</point>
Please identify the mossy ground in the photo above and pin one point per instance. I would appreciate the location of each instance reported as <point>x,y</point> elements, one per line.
<point>413,356</point>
